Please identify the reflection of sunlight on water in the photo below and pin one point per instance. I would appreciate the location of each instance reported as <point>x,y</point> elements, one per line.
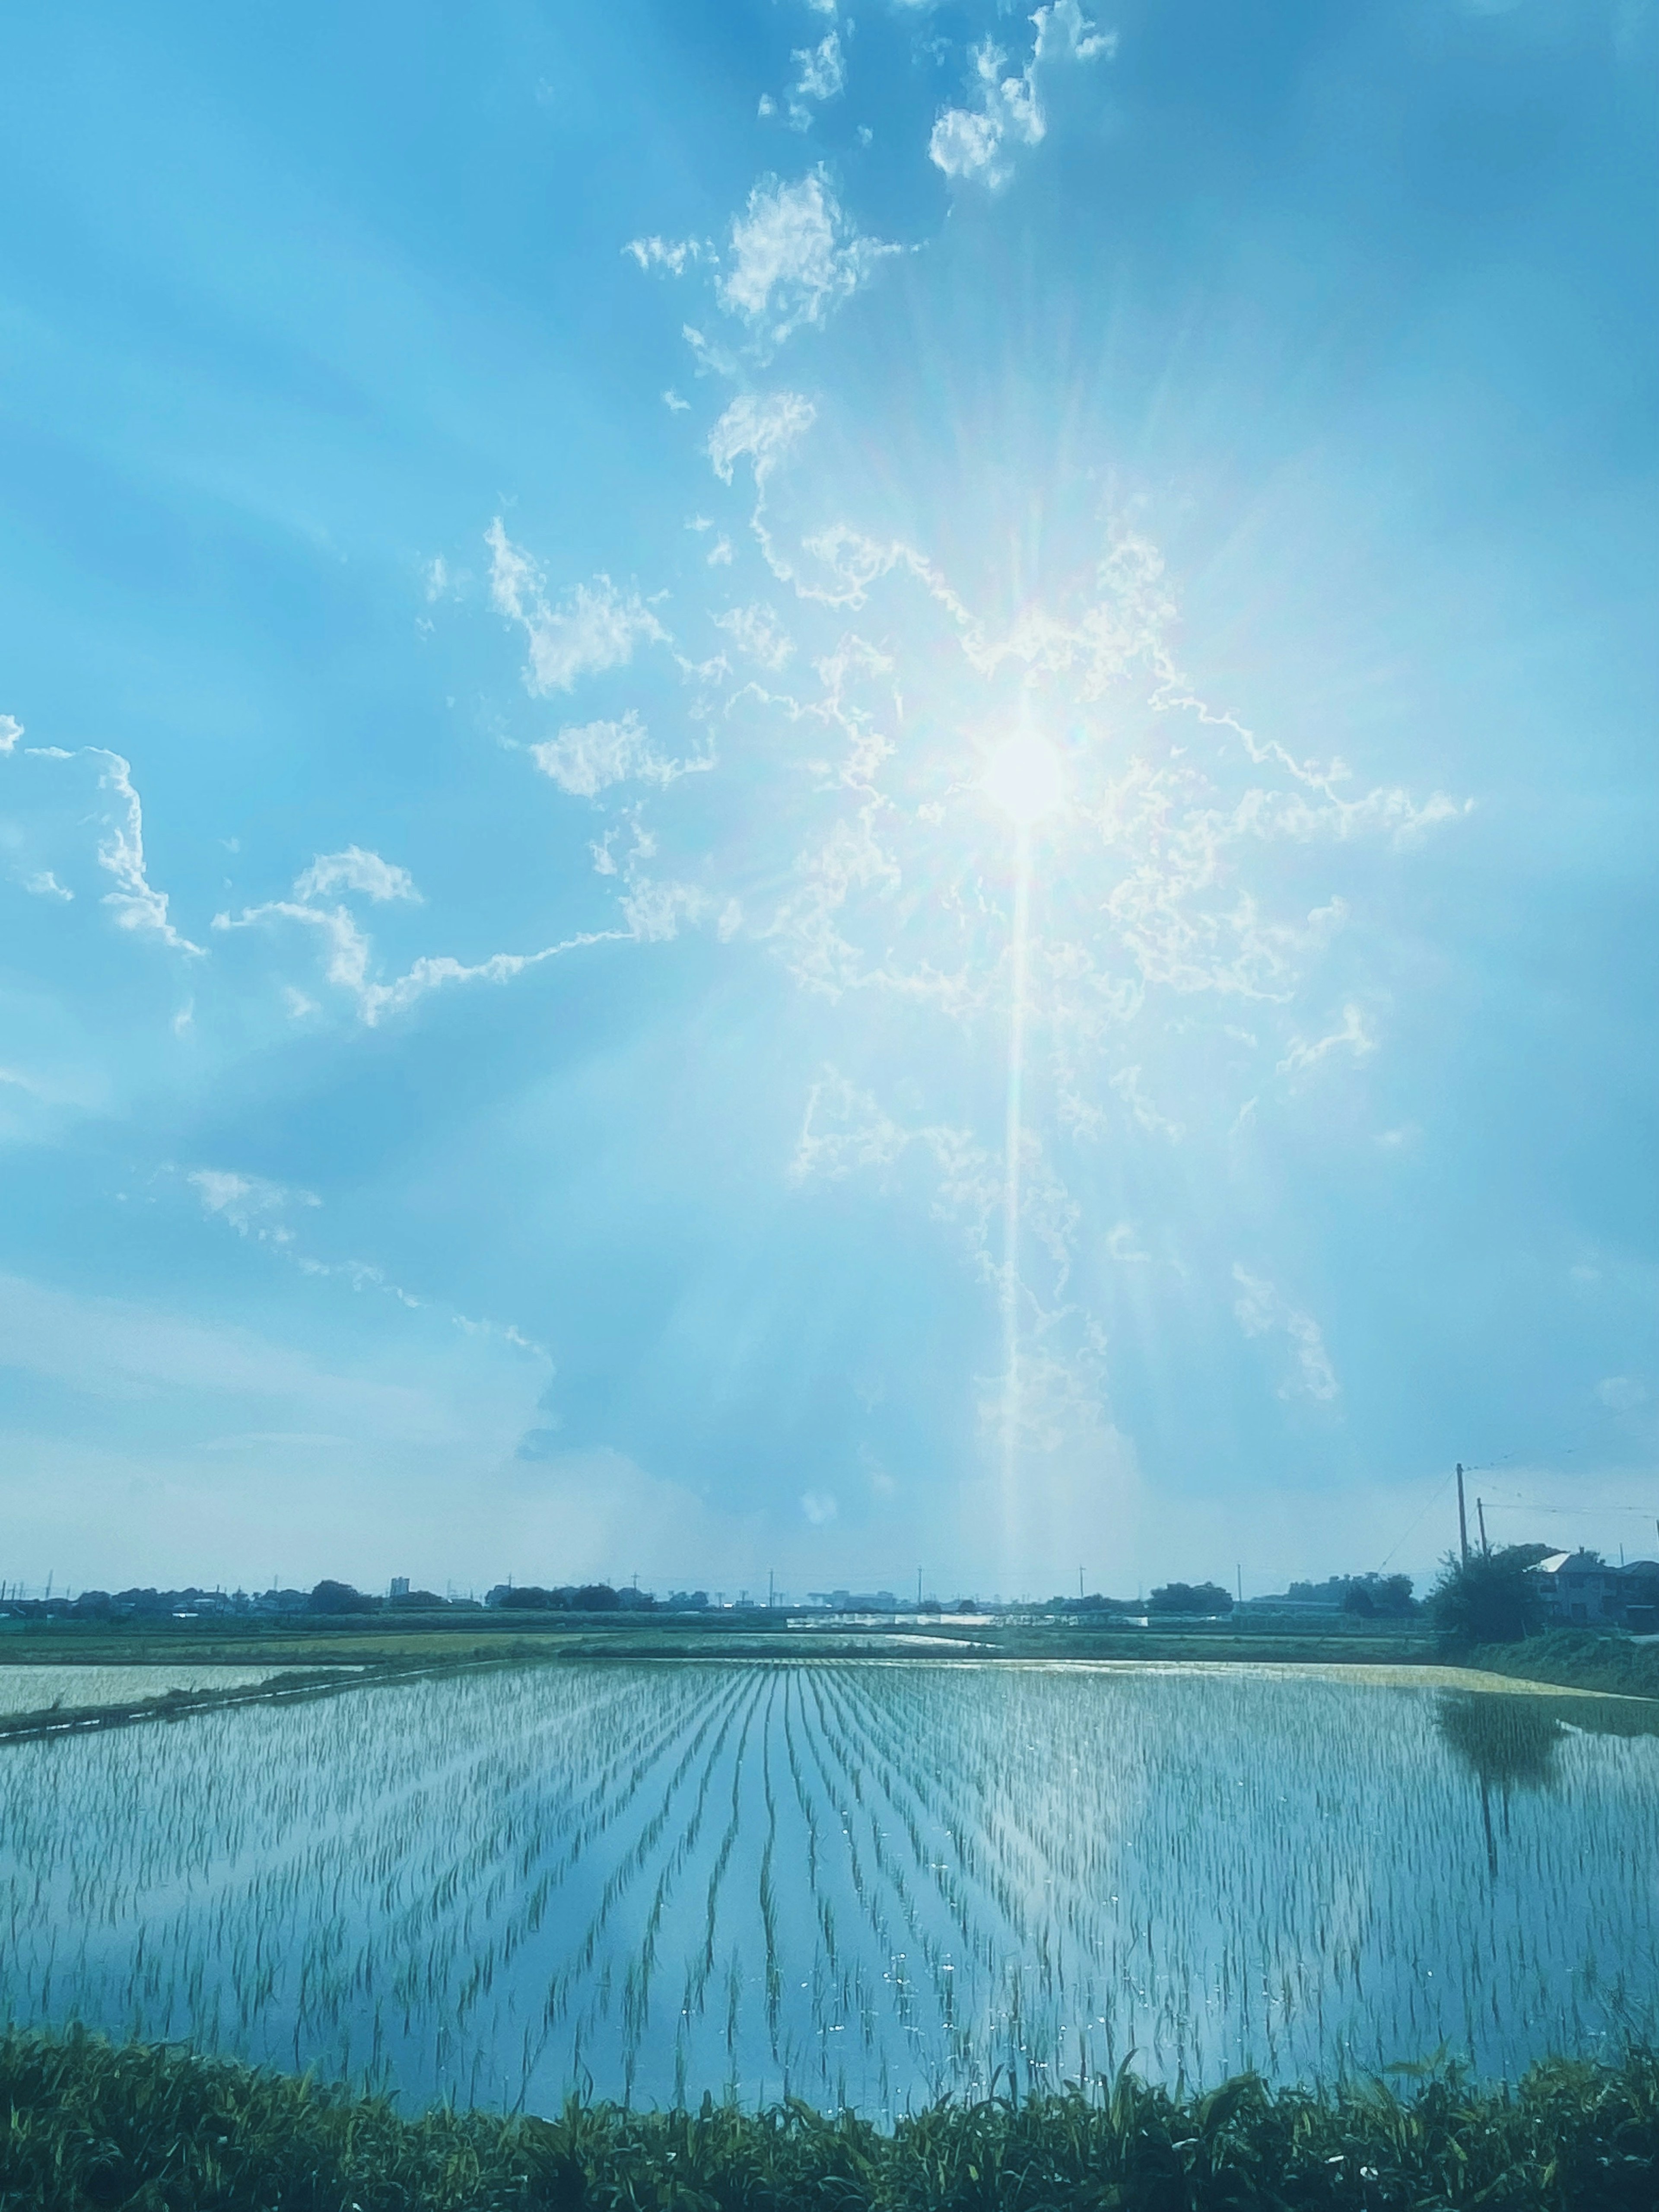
<point>853,1881</point>
<point>1025,779</point>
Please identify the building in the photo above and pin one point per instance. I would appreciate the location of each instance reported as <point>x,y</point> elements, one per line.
<point>1581,1591</point>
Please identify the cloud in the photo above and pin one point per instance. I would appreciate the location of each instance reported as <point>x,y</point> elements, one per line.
<point>137,905</point>
<point>1126,1083</point>
<point>587,758</point>
<point>10,730</point>
<point>354,870</point>
<point>1261,1310</point>
<point>675,255</point>
<point>1621,1393</point>
<point>979,144</point>
<point>348,955</point>
<point>819,1507</point>
<point>756,632</point>
<point>1352,1035</point>
<point>247,1203</point>
<point>794,257</point>
<point>823,77</point>
<point>594,628</point>
<point>763,425</point>
<point>46,886</point>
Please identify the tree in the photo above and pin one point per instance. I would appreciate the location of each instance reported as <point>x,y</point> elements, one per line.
<point>340,1597</point>
<point>1491,1598</point>
<point>1208,1598</point>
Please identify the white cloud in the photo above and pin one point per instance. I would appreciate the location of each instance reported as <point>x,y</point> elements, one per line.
<point>1352,1035</point>
<point>823,76</point>
<point>588,759</point>
<point>978,142</point>
<point>674,403</point>
<point>46,886</point>
<point>1621,1393</point>
<point>247,1203</point>
<point>1261,1310</point>
<point>1126,1083</point>
<point>764,426</point>
<point>137,905</point>
<point>757,631</point>
<point>819,1507</point>
<point>594,628</point>
<point>354,870</point>
<point>674,255</point>
<point>10,730</point>
<point>794,257</point>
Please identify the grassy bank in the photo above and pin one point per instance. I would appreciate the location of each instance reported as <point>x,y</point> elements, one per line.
<point>86,2125</point>
<point>1578,1659</point>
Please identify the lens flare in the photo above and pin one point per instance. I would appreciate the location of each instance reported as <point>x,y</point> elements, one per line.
<point>1025,778</point>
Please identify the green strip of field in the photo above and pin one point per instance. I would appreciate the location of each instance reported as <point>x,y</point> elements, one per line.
<point>137,2128</point>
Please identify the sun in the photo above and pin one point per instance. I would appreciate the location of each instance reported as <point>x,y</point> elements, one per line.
<point>1025,778</point>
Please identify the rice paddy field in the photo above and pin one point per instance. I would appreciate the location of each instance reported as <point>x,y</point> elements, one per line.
<point>37,1689</point>
<point>860,1883</point>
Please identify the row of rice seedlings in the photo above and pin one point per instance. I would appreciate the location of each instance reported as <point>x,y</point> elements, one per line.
<point>972,1874</point>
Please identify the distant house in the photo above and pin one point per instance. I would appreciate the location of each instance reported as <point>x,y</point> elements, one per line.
<point>1580,1590</point>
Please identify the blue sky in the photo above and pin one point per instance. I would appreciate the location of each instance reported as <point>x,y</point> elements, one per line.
<point>547,556</point>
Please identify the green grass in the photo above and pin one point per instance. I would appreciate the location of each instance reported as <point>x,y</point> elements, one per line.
<point>84,2123</point>
<point>1578,1658</point>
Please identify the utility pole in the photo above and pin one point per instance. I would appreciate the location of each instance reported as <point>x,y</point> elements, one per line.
<point>1463,1517</point>
<point>1480,1511</point>
<point>1080,1585</point>
<point>771,1590</point>
<point>918,1590</point>
<point>1239,1572</point>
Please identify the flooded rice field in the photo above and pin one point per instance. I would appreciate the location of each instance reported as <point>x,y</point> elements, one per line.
<point>852,1882</point>
<point>38,1689</point>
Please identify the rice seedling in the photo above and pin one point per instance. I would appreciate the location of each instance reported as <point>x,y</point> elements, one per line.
<point>867,1884</point>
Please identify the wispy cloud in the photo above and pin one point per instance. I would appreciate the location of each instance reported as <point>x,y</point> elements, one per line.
<point>354,870</point>
<point>794,257</point>
<point>758,635</point>
<point>979,144</point>
<point>761,427</point>
<point>1352,1036</point>
<point>595,626</point>
<point>1261,1311</point>
<point>250,1205</point>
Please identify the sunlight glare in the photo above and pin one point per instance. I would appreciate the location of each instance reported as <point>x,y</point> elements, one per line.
<point>1025,779</point>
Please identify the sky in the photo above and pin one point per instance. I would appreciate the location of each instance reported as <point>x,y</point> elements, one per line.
<point>825,791</point>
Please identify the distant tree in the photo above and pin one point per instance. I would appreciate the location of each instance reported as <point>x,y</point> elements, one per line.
<point>340,1597</point>
<point>529,1598</point>
<point>1393,1594</point>
<point>1206,1598</point>
<point>1358,1599</point>
<point>1491,1598</point>
<point>416,1601</point>
<point>593,1597</point>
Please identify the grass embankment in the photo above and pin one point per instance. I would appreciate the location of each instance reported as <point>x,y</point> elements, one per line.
<point>85,2124</point>
<point>1578,1659</point>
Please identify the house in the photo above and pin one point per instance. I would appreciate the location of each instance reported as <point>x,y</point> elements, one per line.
<point>1581,1591</point>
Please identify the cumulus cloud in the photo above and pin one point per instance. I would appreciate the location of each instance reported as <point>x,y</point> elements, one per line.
<point>594,628</point>
<point>978,142</point>
<point>764,426</point>
<point>354,870</point>
<point>794,257</point>
<point>1261,1310</point>
<point>10,731</point>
